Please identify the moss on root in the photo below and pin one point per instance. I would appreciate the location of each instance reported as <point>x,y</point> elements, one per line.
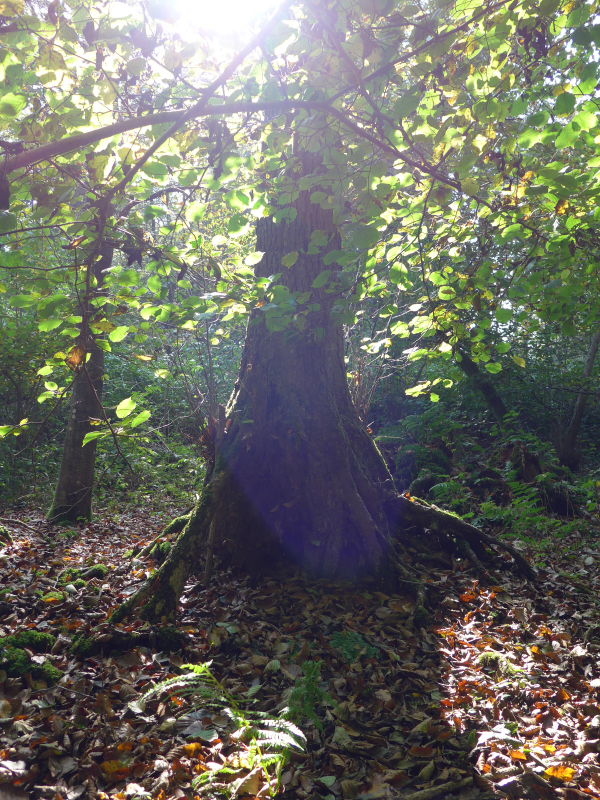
<point>16,662</point>
<point>168,638</point>
<point>176,525</point>
<point>160,551</point>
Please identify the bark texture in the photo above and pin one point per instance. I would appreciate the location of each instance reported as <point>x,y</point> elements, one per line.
<point>74,488</point>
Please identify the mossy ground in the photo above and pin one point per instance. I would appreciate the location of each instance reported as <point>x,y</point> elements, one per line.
<point>54,595</point>
<point>79,577</point>
<point>497,661</point>
<point>16,662</point>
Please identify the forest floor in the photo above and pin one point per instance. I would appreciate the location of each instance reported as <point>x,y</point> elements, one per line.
<point>498,697</point>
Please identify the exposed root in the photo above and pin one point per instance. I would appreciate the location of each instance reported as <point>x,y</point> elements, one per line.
<point>468,540</point>
<point>175,526</point>
<point>168,638</point>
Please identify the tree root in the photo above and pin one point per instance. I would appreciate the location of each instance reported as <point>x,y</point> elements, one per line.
<point>168,638</point>
<point>160,594</point>
<point>468,539</point>
<point>175,526</point>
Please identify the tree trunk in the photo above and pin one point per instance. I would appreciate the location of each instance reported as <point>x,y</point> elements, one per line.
<point>296,474</point>
<point>74,488</point>
<point>492,398</point>
<point>567,443</point>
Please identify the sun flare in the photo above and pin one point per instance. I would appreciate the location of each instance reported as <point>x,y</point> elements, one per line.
<point>223,16</point>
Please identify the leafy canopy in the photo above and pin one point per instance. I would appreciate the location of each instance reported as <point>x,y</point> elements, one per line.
<point>458,145</point>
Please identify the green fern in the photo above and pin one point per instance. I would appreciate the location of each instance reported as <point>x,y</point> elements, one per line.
<point>307,694</point>
<point>263,742</point>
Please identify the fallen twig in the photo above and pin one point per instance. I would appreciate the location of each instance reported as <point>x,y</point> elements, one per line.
<point>18,522</point>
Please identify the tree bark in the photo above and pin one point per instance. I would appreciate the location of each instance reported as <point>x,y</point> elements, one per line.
<point>296,475</point>
<point>74,488</point>
<point>492,398</point>
<point>567,443</point>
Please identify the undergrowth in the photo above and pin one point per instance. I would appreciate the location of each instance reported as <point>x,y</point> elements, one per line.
<point>259,743</point>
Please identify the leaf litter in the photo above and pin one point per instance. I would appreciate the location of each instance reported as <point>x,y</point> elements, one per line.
<point>498,697</point>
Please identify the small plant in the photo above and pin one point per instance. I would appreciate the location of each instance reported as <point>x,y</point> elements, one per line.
<point>353,646</point>
<point>261,742</point>
<point>307,695</point>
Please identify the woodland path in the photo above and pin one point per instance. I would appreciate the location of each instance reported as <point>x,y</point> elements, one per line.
<point>417,710</point>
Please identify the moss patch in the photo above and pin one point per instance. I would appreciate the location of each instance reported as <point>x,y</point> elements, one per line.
<point>77,576</point>
<point>160,551</point>
<point>497,661</point>
<point>59,596</point>
<point>97,571</point>
<point>15,661</point>
<point>33,640</point>
<point>421,617</point>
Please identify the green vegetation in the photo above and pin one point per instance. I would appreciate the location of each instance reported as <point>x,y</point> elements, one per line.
<point>15,661</point>
<point>352,646</point>
<point>264,741</point>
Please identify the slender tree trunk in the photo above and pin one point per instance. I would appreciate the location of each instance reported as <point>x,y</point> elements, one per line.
<point>74,488</point>
<point>487,389</point>
<point>567,443</point>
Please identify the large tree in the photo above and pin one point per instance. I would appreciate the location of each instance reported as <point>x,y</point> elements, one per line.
<point>388,150</point>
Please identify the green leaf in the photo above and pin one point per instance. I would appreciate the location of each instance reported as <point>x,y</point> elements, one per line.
<point>321,279</point>
<point>141,417</point>
<point>125,408</point>
<point>253,258</point>
<point>493,367</point>
<point>92,436</point>
<point>290,260</point>
<point>503,347</point>
<point>566,137</point>
<point>136,66</point>
<point>470,187</point>
<point>12,104</point>
<point>564,105</point>
<point>154,284</point>
<point>586,120</point>
<point>128,278</point>
<point>195,211</point>
<point>119,333</point>
<point>22,301</point>
<point>49,324</point>
<point>503,314</point>
<point>8,222</point>
<point>237,225</point>
<point>408,103</point>
<point>364,237</point>
<point>151,212</point>
<point>11,8</point>
<point>155,169</point>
